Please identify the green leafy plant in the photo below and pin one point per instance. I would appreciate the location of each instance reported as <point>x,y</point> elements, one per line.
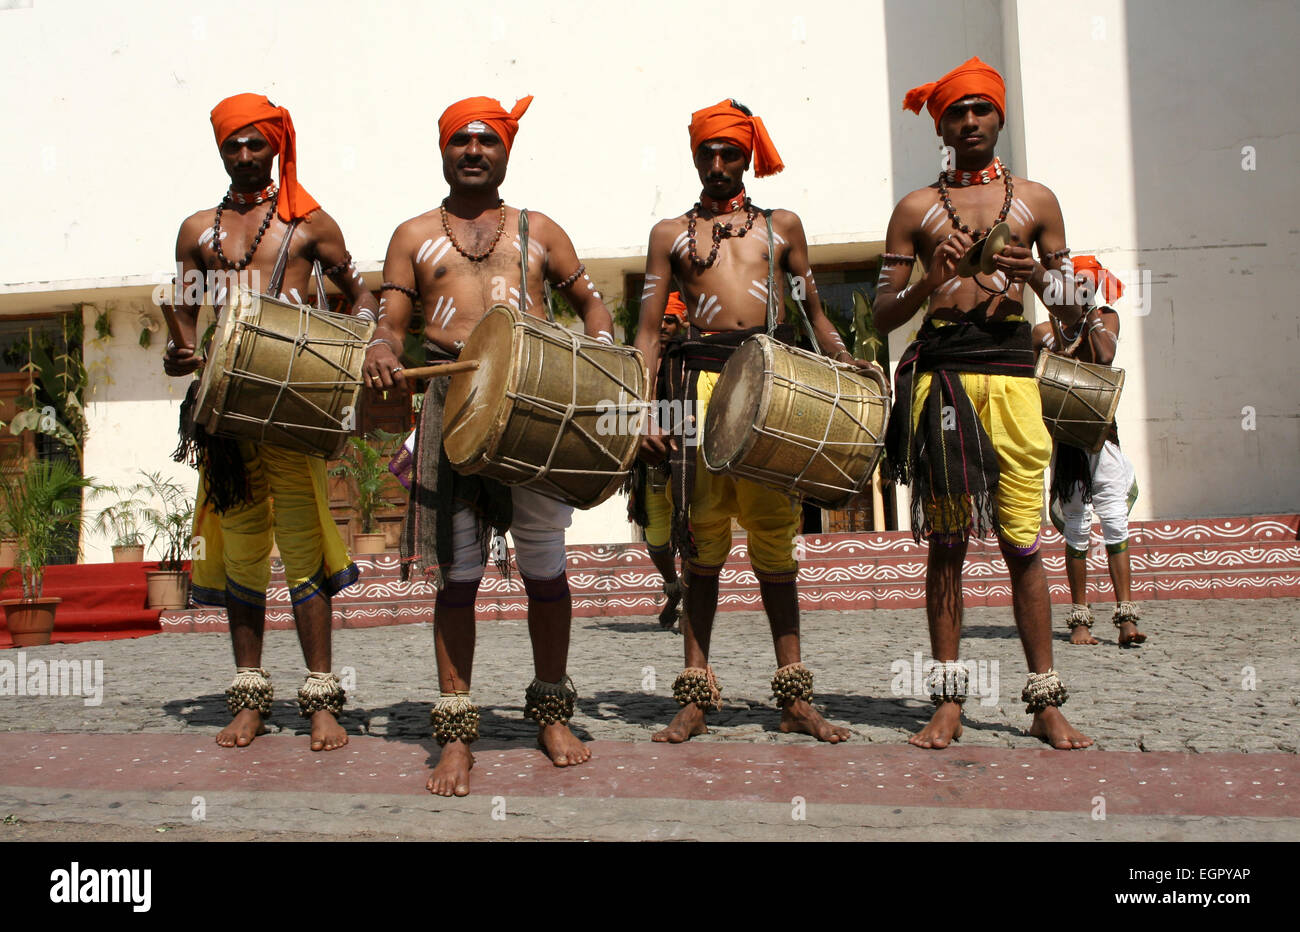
<point>365,462</point>
<point>51,403</point>
<point>168,516</point>
<point>42,507</point>
<point>121,520</point>
<point>868,342</point>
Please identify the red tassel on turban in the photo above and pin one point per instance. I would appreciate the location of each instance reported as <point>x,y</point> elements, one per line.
<point>724,121</point>
<point>463,112</point>
<point>1109,288</point>
<point>972,78</point>
<point>275,124</point>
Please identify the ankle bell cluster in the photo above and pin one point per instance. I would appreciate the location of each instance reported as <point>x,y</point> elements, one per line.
<point>1043,690</point>
<point>948,681</point>
<point>321,692</point>
<point>1125,611</point>
<point>250,689</point>
<point>1079,615</point>
<point>792,683</point>
<point>455,718</point>
<point>699,686</point>
<point>550,703</point>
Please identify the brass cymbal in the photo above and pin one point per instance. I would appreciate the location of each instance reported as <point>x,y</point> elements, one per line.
<point>979,258</point>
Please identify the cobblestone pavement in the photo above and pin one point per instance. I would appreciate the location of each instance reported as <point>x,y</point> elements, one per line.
<point>1214,676</point>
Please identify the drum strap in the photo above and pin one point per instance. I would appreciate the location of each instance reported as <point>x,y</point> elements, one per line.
<point>771,275</point>
<point>282,262</point>
<point>771,291</point>
<point>523,270</point>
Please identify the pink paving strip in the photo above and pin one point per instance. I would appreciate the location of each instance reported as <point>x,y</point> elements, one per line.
<point>1133,783</point>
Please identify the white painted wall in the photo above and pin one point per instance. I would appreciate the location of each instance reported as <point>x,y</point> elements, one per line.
<point>1134,113</point>
<point>116,117</point>
<point>132,412</point>
<point>1141,112</point>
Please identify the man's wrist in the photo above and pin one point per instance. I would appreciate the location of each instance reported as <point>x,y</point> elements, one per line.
<point>385,340</point>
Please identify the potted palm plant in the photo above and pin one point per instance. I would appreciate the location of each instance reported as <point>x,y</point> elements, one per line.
<point>42,507</point>
<point>168,516</point>
<point>120,521</point>
<point>365,462</point>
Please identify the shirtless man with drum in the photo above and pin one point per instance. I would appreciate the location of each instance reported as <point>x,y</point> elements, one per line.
<point>718,251</point>
<point>240,240</point>
<point>967,425</point>
<point>459,260</point>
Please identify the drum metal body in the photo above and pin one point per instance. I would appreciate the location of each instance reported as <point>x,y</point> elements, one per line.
<point>1079,399</point>
<point>796,421</point>
<point>547,408</point>
<point>283,374</point>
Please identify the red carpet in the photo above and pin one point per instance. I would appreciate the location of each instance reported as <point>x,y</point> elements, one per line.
<point>101,602</point>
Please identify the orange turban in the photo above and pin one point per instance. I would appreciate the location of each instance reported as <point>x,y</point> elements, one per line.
<point>724,121</point>
<point>676,307</point>
<point>274,123</point>
<point>1108,286</point>
<point>490,111</point>
<point>972,78</point>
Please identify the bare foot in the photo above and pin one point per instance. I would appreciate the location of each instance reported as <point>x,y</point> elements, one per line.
<point>243,728</point>
<point>1050,725</point>
<point>801,717</point>
<point>1082,634</point>
<point>943,728</point>
<point>1129,635</point>
<point>450,775</point>
<point>562,745</point>
<point>326,732</point>
<point>685,725</point>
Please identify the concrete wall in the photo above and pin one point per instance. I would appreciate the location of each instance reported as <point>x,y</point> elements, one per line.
<point>1163,130</point>
<point>1135,114</point>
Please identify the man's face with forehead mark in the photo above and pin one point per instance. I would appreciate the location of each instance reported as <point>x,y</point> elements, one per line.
<point>475,157</point>
<point>247,156</point>
<point>971,126</point>
<point>721,165</point>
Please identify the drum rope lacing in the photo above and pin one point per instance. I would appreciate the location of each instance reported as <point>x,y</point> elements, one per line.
<point>567,411</point>
<point>819,448</point>
<point>303,342</point>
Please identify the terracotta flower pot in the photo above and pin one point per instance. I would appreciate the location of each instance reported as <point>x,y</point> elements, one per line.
<point>30,623</point>
<point>168,589</point>
<point>128,553</point>
<point>8,551</point>
<point>368,543</point>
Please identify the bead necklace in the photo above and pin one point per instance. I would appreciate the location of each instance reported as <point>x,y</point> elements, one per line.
<point>501,226</point>
<point>248,256</point>
<point>956,220</point>
<point>721,231</point>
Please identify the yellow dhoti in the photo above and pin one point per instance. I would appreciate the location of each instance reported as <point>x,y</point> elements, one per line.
<point>1010,410</point>
<point>290,506</point>
<point>770,518</point>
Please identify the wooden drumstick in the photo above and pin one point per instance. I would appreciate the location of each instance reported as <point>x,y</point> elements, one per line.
<point>446,368</point>
<point>173,325</point>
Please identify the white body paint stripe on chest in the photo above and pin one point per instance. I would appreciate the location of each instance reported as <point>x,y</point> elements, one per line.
<point>930,214</point>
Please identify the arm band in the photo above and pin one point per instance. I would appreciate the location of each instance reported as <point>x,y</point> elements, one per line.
<point>409,292</point>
